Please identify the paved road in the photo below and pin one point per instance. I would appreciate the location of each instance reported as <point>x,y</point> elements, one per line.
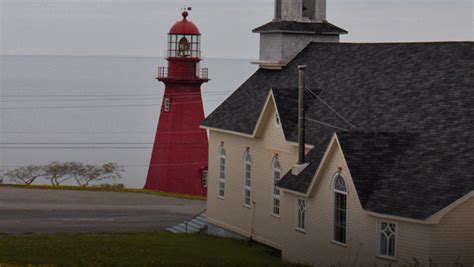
<point>58,211</point>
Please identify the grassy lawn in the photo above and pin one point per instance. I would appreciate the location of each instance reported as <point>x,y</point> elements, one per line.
<point>125,190</point>
<point>147,249</point>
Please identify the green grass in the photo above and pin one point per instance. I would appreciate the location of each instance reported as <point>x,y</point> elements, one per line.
<point>125,190</point>
<point>147,249</point>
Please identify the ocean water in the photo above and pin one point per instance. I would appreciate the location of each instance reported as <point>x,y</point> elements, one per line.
<point>92,109</point>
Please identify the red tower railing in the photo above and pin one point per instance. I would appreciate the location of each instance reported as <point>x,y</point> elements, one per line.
<point>199,73</point>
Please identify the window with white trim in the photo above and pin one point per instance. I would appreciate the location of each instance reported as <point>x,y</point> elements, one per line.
<point>247,179</point>
<point>167,104</point>
<point>339,209</point>
<point>276,170</point>
<point>301,214</point>
<point>387,232</point>
<point>221,152</point>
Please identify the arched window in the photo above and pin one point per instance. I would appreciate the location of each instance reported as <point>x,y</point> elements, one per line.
<point>340,209</point>
<point>221,153</point>
<point>247,179</point>
<point>301,215</point>
<point>276,170</point>
<point>388,232</point>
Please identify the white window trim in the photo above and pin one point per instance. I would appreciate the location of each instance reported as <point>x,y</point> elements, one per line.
<point>275,167</point>
<point>247,161</point>
<point>379,255</point>
<point>167,104</point>
<point>333,209</point>
<point>220,178</point>
<point>298,228</point>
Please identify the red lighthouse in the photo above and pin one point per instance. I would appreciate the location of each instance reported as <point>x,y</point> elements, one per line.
<point>179,157</point>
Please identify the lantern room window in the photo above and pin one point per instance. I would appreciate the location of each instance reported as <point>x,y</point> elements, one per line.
<point>184,45</point>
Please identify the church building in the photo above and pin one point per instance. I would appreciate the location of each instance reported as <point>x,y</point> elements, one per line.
<point>347,154</point>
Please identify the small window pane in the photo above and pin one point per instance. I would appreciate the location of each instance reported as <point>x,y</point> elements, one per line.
<point>276,191</point>
<point>340,185</point>
<point>276,206</point>
<point>247,197</point>
<point>221,188</point>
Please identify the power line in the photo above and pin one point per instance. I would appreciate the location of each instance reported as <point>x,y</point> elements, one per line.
<point>106,95</point>
<point>77,133</point>
<point>102,106</point>
<point>331,108</point>
<point>77,143</point>
<point>327,124</point>
<point>72,148</point>
<point>107,99</point>
<point>128,165</point>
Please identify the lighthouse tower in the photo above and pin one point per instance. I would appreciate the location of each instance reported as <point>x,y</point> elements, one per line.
<point>179,157</point>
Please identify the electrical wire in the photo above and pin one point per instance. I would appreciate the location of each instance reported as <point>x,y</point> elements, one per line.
<point>331,108</point>
<point>77,133</point>
<point>74,148</point>
<point>106,95</point>
<point>327,124</point>
<point>103,106</point>
<point>107,99</point>
<point>130,165</point>
<point>77,143</point>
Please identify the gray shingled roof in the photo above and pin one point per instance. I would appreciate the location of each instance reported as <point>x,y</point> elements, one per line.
<point>388,92</point>
<point>300,27</point>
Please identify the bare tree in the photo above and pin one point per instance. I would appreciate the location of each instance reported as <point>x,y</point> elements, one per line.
<point>25,175</point>
<point>76,170</point>
<point>93,173</point>
<point>57,173</point>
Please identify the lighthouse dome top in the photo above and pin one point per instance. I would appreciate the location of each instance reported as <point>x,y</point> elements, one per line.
<point>184,27</point>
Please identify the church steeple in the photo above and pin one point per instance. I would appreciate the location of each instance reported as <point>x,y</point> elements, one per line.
<point>300,10</point>
<point>296,23</point>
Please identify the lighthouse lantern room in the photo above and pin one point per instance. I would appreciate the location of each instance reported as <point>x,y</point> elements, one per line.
<point>179,158</point>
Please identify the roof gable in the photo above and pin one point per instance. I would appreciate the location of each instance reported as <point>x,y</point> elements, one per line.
<point>414,98</point>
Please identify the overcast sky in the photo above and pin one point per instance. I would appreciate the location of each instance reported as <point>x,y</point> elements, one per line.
<point>139,27</point>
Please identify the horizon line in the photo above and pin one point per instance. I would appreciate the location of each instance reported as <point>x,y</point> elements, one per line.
<point>131,56</point>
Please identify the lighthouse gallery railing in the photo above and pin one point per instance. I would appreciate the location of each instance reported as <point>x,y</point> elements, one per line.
<point>199,73</point>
